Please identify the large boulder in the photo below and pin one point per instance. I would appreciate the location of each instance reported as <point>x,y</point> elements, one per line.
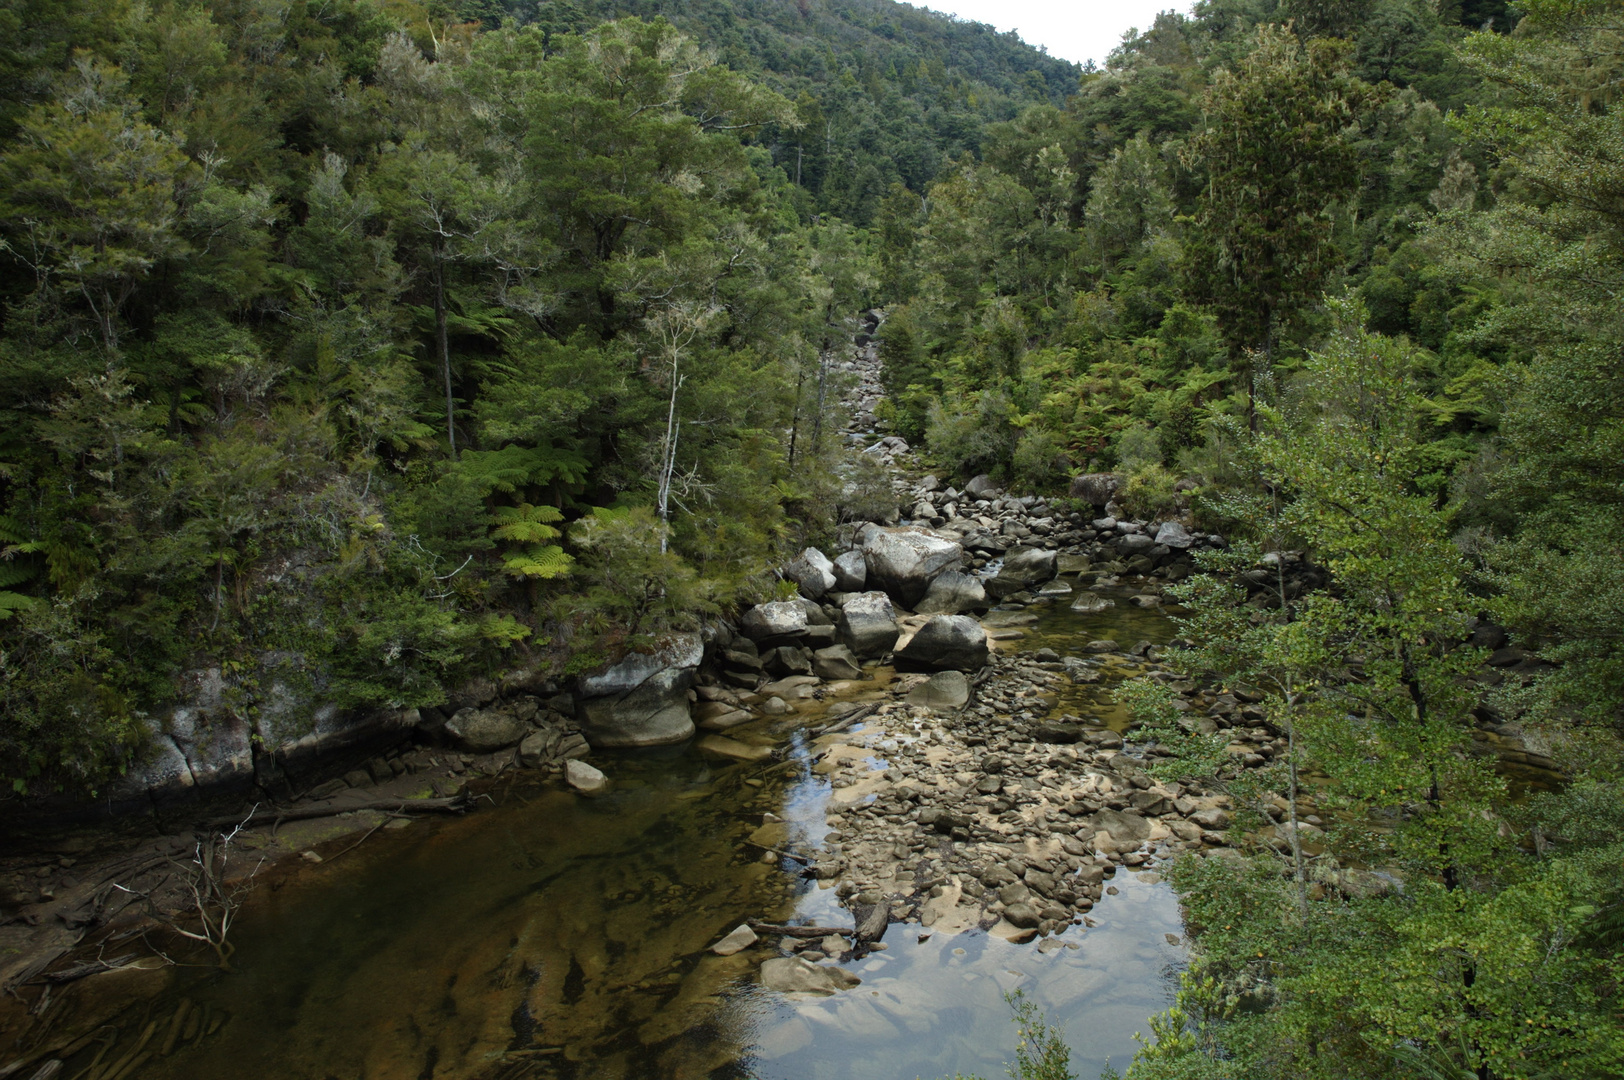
<point>479,731</point>
<point>1174,535</point>
<point>835,663</point>
<point>1096,489</point>
<point>778,621</point>
<point>642,700</point>
<point>903,562</point>
<point>952,593</point>
<point>943,690</point>
<point>947,641</point>
<point>1135,544</point>
<point>868,624</point>
<point>1022,569</point>
<point>851,572</point>
<point>813,572</point>
<point>982,487</point>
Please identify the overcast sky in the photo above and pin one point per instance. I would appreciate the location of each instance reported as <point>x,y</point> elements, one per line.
<point>1077,30</point>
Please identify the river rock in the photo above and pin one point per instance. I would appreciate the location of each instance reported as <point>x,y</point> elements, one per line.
<point>584,778</point>
<point>943,690</point>
<point>982,487</point>
<point>480,731</point>
<point>643,700</point>
<point>792,975</point>
<point>775,621</point>
<point>902,562</point>
<point>1122,825</point>
<point>722,746</point>
<point>1096,489</point>
<point>851,572</point>
<point>1023,568</point>
<point>1090,603</point>
<point>1174,535</point>
<point>740,939</point>
<point>1135,544</point>
<point>868,624</point>
<point>813,572</point>
<point>952,593</point>
<point>835,663</point>
<point>948,641</point>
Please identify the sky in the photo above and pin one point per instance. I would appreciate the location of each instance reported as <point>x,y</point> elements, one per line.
<point>1077,30</point>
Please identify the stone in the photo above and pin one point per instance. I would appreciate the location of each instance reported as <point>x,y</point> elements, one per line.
<point>1023,568</point>
<point>793,975</point>
<point>902,562</point>
<point>1122,825</point>
<point>1174,535</point>
<point>948,641</point>
<point>1096,489</point>
<point>1092,603</point>
<point>982,487</point>
<point>812,572</point>
<point>584,778</point>
<point>1211,819</point>
<point>851,572</point>
<point>537,747</point>
<point>740,939</point>
<point>1135,544</point>
<point>953,593</point>
<point>774,621</point>
<point>775,706</point>
<point>787,660</point>
<point>480,731</point>
<point>835,663</point>
<point>868,624</point>
<point>943,690</point>
<point>1023,914</point>
<point>643,699</point>
<point>725,721</point>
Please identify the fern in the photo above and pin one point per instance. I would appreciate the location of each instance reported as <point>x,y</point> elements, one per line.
<point>504,629</point>
<point>11,603</point>
<point>512,467</point>
<point>525,524</point>
<point>17,563</point>
<point>538,561</point>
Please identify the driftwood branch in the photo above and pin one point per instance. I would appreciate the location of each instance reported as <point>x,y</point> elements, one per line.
<point>453,805</point>
<point>799,931</point>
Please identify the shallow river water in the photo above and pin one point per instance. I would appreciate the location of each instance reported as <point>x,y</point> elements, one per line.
<point>551,935</point>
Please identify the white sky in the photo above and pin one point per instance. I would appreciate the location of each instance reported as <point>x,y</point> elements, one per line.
<point>1077,30</point>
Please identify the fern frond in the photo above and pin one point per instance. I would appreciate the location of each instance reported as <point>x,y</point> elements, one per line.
<point>11,603</point>
<point>15,573</point>
<point>539,561</point>
<point>525,523</point>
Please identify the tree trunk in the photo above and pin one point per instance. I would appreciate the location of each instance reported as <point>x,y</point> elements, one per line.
<point>442,341</point>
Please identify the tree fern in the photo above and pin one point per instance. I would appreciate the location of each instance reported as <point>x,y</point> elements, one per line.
<point>17,561</point>
<point>525,524</point>
<point>11,603</point>
<point>513,467</point>
<point>538,561</point>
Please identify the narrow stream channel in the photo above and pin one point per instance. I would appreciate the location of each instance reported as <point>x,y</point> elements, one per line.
<point>572,935</point>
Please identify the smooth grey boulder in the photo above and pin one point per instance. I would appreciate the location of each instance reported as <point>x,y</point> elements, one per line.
<point>812,572</point>
<point>947,641</point>
<point>1122,825</point>
<point>787,660</point>
<point>792,974</point>
<point>1135,544</point>
<point>642,700</point>
<point>584,778</point>
<point>1174,535</point>
<point>479,731</point>
<point>1023,568</point>
<point>835,663</point>
<point>1096,489</point>
<point>982,487</point>
<point>943,690</point>
<point>780,619</point>
<point>951,593</point>
<point>851,572</point>
<point>868,624</point>
<point>1090,603</point>
<point>902,562</point>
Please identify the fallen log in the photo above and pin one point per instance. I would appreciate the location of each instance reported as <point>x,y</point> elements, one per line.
<point>455,804</point>
<point>798,931</point>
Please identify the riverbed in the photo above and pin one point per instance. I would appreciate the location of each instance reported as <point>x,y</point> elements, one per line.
<point>553,935</point>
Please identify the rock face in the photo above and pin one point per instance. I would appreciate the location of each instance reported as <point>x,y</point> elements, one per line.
<point>952,593</point>
<point>1023,568</point>
<point>851,572</point>
<point>948,641</point>
<point>868,624</point>
<point>813,572</point>
<point>903,562</point>
<point>1096,489</point>
<point>479,731</point>
<point>643,700</point>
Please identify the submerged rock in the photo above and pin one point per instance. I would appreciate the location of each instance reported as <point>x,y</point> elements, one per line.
<point>584,778</point>
<point>792,975</point>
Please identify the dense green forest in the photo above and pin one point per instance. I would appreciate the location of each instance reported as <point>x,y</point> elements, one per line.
<point>367,345</point>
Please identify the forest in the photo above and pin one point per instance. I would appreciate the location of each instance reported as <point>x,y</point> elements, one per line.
<point>364,346</point>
